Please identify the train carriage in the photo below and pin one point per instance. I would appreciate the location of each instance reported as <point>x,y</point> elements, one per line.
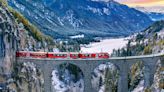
<point>58,55</point>
<point>74,55</point>
<point>103,55</point>
<point>38,54</point>
<point>87,55</point>
<point>22,54</point>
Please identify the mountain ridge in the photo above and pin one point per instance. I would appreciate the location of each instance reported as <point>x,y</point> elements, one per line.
<point>64,18</point>
<point>155,13</point>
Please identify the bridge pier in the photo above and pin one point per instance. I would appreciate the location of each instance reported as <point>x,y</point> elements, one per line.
<point>123,78</point>
<point>47,71</point>
<point>162,60</point>
<point>87,84</point>
<point>87,70</point>
<point>149,71</point>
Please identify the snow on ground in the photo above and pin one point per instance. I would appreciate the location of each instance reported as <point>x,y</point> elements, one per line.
<point>70,86</point>
<point>106,45</point>
<point>140,87</point>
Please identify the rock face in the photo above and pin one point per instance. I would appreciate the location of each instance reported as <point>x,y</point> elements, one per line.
<point>8,39</point>
<point>28,78</point>
<point>105,78</point>
<point>15,35</point>
<point>62,18</point>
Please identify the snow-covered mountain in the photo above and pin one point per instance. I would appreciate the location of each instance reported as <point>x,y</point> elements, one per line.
<point>62,18</point>
<point>157,9</point>
<point>155,13</point>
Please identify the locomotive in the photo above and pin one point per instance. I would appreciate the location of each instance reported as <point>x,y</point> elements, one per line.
<point>62,55</point>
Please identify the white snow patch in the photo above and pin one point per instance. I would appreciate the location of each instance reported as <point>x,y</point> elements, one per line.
<point>70,86</point>
<point>77,36</point>
<point>140,87</point>
<point>106,45</point>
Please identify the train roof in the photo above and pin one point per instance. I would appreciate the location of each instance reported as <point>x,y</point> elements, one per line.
<point>64,52</point>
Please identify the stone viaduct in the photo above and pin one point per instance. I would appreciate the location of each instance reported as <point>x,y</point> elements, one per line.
<point>88,65</point>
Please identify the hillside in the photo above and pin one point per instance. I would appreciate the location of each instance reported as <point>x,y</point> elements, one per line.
<point>64,18</point>
<point>149,41</point>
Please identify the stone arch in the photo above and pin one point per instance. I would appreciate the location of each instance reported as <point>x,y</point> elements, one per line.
<point>69,76</point>
<point>99,75</point>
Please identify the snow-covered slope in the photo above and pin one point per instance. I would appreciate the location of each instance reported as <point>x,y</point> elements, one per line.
<point>61,18</point>
<point>157,9</point>
<point>106,45</point>
<point>155,13</point>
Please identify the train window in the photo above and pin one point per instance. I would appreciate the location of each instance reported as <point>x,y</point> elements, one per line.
<point>74,55</point>
<point>101,54</point>
<point>87,55</point>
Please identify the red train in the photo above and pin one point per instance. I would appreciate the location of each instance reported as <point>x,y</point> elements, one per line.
<point>62,55</point>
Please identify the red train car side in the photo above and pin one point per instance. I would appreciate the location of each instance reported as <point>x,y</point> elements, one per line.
<point>103,55</point>
<point>38,54</point>
<point>87,55</point>
<point>62,55</point>
<point>22,54</point>
<point>74,55</point>
<point>58,55</point>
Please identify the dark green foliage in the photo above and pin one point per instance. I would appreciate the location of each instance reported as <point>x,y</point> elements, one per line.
<point>111,77</point>
<point>3,2</point>
<point>84,40</point>
<point>155,36</point>
<point>139,37</point>
<point>133,76</point>
<point>100,82</point>
<point>148,50</point>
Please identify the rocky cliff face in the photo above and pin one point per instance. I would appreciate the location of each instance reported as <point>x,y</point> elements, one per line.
<point>8,39</point>
<point>16,33</point>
